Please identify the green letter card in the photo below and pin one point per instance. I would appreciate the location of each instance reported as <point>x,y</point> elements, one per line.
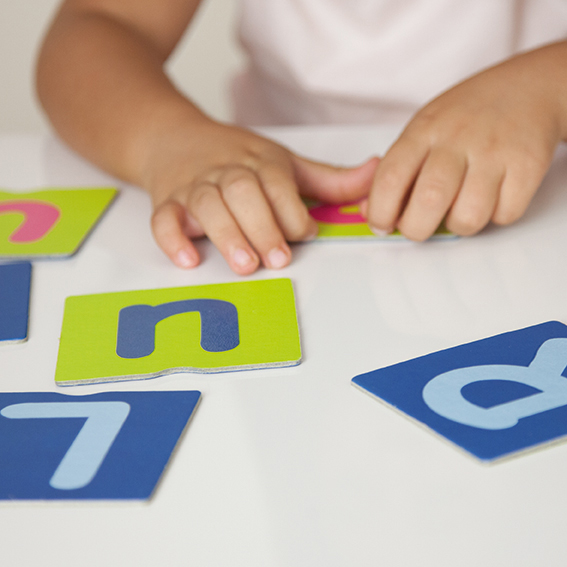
<point>345,222</point>
<point>208,328</point>
<point>51,222</point>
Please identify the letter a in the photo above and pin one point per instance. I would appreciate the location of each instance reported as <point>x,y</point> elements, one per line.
<point>443,393</point>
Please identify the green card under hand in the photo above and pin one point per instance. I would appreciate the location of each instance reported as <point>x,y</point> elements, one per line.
<point>208,328</point>
<point>345,222</point>
<point>51,222</point>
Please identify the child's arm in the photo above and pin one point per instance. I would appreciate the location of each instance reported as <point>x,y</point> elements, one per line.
<point>478,152</point>
<point>100,78</point>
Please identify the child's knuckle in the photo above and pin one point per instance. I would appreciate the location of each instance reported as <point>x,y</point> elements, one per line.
<point>239,188</point>
<point>202,196</point>
<point>467,222</point>
<point>390,179</point>
<point>433,193</point>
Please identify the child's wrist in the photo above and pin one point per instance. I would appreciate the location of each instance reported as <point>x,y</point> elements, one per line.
<point>171,125</point>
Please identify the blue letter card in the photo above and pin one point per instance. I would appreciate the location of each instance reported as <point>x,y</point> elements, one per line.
<point>491,397</point>
<point>110,446</point>
<point>15,281</point>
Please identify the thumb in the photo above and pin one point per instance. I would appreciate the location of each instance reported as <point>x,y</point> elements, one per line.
<point>332,184</point>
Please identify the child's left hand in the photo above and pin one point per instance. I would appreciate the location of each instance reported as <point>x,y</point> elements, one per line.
<point>478,152</point>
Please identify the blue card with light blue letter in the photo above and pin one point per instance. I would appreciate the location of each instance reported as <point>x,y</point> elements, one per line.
<point>493,397</point>
<point>109,446</point>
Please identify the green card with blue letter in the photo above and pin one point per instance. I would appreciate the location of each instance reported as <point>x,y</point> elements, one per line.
<point>208,328</point>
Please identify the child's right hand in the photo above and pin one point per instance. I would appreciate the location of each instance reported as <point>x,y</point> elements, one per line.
<point>478,152</point>
<point>240,190</point>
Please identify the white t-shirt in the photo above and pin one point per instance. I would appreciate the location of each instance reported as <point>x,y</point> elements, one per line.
<point>375,61</point>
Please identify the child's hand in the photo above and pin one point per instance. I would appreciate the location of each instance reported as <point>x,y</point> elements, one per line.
<point>477,153</point>
<point>101,79</point>
<point>240,190</point>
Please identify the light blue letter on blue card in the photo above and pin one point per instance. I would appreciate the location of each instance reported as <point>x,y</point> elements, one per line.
<point>492,397</point>
<point>85,455</point>
<point>113,445</point>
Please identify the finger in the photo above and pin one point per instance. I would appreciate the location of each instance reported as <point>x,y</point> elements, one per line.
<point>434,191</point>
<point>476,201</point>
<point>244,197</point>
<point>288,208</point>
<point>168,222</point>
<point>205,203</point>
<point>333,184</point>
<point>518,188</point>
<point>393,180</point>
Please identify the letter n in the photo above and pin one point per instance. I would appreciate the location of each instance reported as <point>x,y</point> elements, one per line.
<point>136,325</point>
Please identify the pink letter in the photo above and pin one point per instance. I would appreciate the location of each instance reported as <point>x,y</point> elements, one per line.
<point>336,214</point>
<point>39,218</point>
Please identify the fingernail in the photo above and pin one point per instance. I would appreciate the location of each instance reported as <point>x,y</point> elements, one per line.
<point>242,258</point>
<point>311,236</point>
<point>277,258</point>
<point>380,231</point>
<point>185,260</point>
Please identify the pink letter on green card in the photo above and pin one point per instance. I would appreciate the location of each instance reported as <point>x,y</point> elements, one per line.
<point>51,222</point>
<point>345,222</point>
<point>209,328</point>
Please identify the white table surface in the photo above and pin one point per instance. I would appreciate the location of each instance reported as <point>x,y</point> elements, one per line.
<point>296,467</point>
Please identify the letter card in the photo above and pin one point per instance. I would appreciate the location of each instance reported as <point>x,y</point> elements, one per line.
<point>51,222</point>
<point>345,222</point>
<point>111,446</point>
<point>209,328</point>
<point>15,282</point>
<point>492,397</point>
